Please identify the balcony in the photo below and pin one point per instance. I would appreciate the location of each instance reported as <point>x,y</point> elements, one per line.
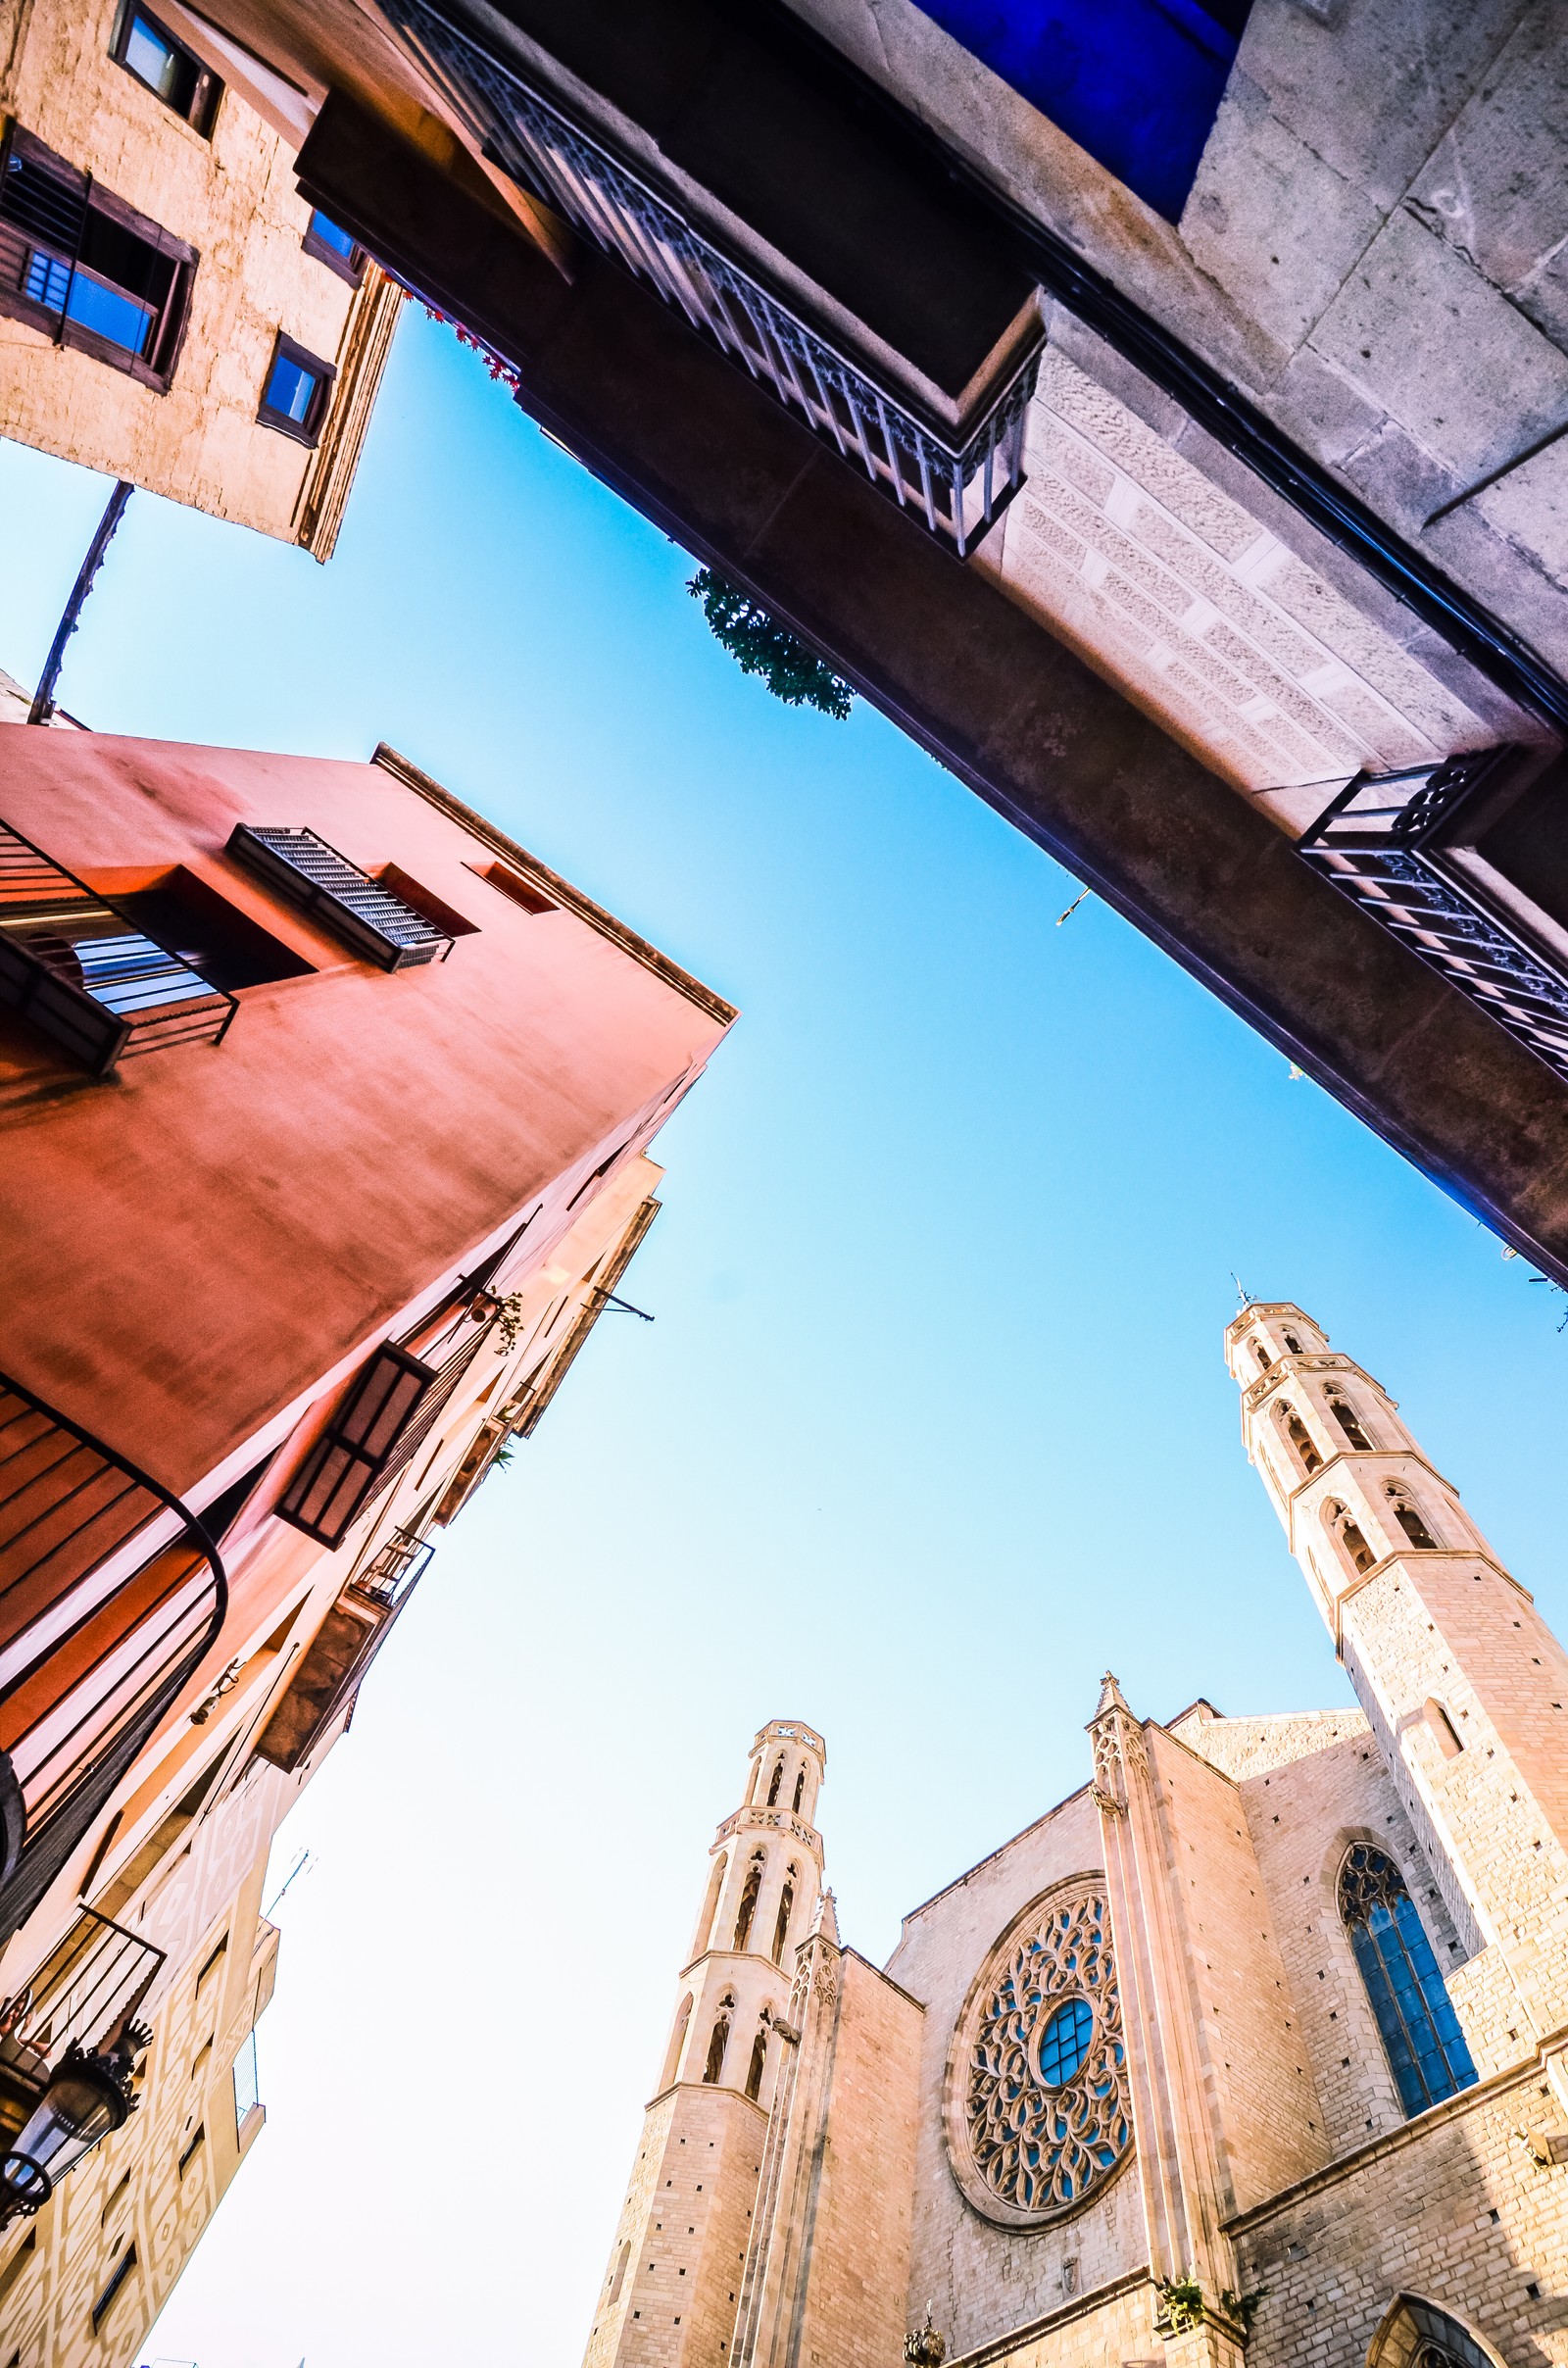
<point>326,1683</point>
<point>86,976</point>
<point>83,1994</point>
<point>111,1597</point>
<point>1466,863</point>
<point>395,1567</point>
<point>925,387</point>
<point>367,916</point>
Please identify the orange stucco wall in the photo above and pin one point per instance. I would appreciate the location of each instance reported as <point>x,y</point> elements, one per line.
<point>191,1246</point>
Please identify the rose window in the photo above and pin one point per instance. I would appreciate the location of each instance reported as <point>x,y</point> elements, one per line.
<point>1038,2112</point>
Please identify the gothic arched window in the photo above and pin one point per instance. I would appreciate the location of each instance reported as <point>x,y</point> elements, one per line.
<point>778,1778</point>
<point>1264,1360</point>
<point>718,2043</point>
<point>1420,2031</point>
<point>1350,1422</point>
<point>1300,1437</point>
<point>753,2071</point>
<point>1349,1533</point>
<point>782,1927</point>
<point>799,1789</point>
<point>1292,1344</point>
<point>1411,1521</point>
<point>747,1906</point>
<point>677,2040</point>
<point>715,1884</point>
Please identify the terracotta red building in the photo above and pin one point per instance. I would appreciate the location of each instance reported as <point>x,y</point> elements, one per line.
<point>325,1113</point>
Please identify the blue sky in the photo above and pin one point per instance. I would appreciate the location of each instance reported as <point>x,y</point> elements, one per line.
<point>932,1424</point>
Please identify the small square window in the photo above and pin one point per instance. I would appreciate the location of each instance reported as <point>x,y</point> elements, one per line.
<point>297,391</point>
<point>337,249</point>
<point>170,71</point>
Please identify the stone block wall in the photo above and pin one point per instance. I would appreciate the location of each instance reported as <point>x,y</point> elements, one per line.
<point>1450,2207</point>
<point>687,2218</point>
<point>857,2302</point>
<point>1257,2076</point>
<point>234,198</point>
<point>1111,2328</point>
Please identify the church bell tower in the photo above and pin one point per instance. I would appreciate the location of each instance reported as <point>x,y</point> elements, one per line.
<point>673,2278</point>
<point>1464,1686</point>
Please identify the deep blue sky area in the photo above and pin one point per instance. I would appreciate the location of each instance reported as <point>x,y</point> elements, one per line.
<point>932,1424</point>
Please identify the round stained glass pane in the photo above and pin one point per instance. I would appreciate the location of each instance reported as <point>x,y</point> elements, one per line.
<point>1064,2043</point>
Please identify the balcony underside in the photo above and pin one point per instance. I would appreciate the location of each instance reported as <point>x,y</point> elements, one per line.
<point>1062,753</point>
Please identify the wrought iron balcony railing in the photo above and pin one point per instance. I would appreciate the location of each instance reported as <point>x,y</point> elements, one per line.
<point>111,1597</point>
<point>1412,849</point>
<point>88,976</point>
<point>395,1568</point>
<point>954,486</point>
<point>85,1991</point>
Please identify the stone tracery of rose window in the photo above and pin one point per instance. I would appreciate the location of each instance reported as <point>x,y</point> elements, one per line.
<point>1039,2116</point>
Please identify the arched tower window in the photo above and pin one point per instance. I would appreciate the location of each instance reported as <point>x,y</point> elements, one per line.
<point>716,1885</point>
<point>1351,1536</point>
<point>1292,1344</point>
<point>754,2070</point>
<point>677,2040</point>
<point>1300,1437</point>
<point>781,1929</point>
<point>1411,1521</point>
<point>718,2041</point>
<point>1264,1360</point>
<point>747,1906</point>
<point>618,2276</point>
<point>799,1789</point>
<point>1420,2031</point>
<point>1350,1422</point>
<point>778,1778</point>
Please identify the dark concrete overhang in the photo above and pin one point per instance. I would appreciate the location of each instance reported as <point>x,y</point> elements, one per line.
<point>703,451</point>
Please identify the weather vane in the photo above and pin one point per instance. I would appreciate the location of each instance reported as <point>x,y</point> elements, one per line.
<point>1244,1296</point>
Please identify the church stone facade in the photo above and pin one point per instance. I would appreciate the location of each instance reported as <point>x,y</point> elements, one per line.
<point>1250,2053</point>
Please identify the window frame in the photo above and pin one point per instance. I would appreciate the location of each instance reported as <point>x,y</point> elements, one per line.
<point>350,268</point>
<point>209,85</point>
<point>306,431</point>
<point>345,1500</point>
<point>174,314</point>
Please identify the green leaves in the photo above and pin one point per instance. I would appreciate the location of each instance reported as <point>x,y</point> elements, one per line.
<point>761,645</point>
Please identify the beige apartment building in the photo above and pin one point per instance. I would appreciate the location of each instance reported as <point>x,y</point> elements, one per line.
<point>1253,2052</point>
<point>170,309</point>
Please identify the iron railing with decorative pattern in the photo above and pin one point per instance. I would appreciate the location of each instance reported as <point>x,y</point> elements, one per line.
<point>1384,842</point>
<point>111,1597</point>
<point>955,489</point>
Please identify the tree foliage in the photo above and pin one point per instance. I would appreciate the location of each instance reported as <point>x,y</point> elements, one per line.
<point>761,645</point>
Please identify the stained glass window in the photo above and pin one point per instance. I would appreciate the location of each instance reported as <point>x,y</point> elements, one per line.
<point>1066,2042</point>
<point>1426,2049</point>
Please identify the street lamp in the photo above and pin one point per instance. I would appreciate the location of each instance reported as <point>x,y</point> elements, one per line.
<point>88,2097</point>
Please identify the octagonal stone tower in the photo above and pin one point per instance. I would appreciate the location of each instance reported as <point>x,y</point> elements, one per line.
<point>674,2274</point>
<point>1462,1682</point>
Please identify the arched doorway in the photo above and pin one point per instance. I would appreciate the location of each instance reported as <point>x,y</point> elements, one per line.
<point>1417,2334</point>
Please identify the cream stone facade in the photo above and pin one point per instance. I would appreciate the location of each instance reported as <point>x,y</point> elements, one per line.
<point>222,193</point>
<point>1254,2050</point>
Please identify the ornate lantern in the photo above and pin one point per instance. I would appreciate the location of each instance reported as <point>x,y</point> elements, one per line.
<point>88,2097</point>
